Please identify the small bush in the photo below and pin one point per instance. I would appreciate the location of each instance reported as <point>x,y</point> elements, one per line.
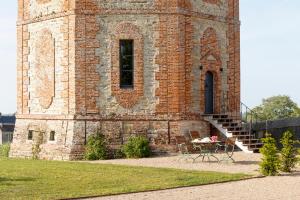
<point>36,149</point>
<point>288,152</point>
<point>137,147</point>
<point>36,145</point>
<point>96,148</point>
<point>298,155</point>
<point>118,154</point>
<point>4,150</point>
<point>270,162</point>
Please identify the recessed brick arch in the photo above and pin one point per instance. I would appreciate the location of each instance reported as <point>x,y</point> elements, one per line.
<point>45,68</point>
<point>127,98</point>
<point>210,62</point>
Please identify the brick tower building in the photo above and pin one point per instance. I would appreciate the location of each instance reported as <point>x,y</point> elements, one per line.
<point>122,67</point>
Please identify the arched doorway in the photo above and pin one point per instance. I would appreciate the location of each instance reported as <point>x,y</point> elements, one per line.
<point>209,93</point>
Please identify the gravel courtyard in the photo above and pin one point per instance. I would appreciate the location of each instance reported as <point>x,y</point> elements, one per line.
<point>285,187</point>
<point>271,188</point>
<point>244,163</point>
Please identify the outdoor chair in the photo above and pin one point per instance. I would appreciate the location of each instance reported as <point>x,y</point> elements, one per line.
<point>183,148</point>
<point>194,135</point>
<point>228,148</point>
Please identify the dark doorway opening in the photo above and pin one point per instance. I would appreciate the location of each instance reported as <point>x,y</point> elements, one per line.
<point>209,93</point>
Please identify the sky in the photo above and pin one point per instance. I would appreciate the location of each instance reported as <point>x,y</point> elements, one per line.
<point>270,51</point>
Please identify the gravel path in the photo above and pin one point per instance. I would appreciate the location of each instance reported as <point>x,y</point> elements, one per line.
<point>271,188</point>
<point>244,163</point>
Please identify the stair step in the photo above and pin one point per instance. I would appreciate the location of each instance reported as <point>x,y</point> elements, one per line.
<point>238,128</point>
<point>239,133</point>
<point>242,132</point>
<point>254,146</point>
<point>221,121</point>
<point>235,126</point>
<point>243,137</point>
<point>216,117</point>
<point>255,150</point>
<point>251,141</point>
<point>230,124</point>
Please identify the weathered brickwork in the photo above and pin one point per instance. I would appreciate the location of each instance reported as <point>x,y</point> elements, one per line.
<point>216,2</point>
<point>138,101</point>
<point>68,71</point>
<point>210,61</point>
<point>233,34</point>
<point>210,54</point>
<point>44,72</point>
<point>127,98</point>
<point>215,8</point>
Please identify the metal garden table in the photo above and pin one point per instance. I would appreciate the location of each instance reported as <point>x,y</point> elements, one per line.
<point>207,149</point>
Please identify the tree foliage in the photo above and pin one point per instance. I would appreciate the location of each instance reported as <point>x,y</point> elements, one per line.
<point>270,164</point>
<point>288,152</point>
<point>277,107</point>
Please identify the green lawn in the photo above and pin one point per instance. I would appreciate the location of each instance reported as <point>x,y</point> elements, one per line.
<point>30,179</point>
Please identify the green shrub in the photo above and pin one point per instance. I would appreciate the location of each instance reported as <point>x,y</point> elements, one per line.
<point>4,150</point>
<point>137,147</point>
<point>270,162</point>
<point>298,156</point>
<point>96,148</point>
<point>288,152</point>
<point>118,154</point>
<point>36,149</point>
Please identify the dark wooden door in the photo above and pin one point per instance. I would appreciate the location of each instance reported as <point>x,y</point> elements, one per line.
<point>209,93</point>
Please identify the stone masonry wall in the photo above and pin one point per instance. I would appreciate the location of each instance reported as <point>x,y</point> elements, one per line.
<point>46,74</point>
<point>110,100</point>
<point>68,73</point>
<point>217,8</point>
<point>59,149</point>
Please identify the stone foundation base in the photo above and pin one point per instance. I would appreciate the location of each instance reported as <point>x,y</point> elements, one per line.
<point>70,136</point>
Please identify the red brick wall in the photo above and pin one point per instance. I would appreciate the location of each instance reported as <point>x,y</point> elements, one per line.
<point>128,97</point>
<point>188,63</point>
<point>25,69</point>
<point>210,49</point>
<point>171,60</point>
<point>234,56</point>
<point>86,75</point>
<point>174,59</point>
<point>176,29</point>
<point>212,1</point>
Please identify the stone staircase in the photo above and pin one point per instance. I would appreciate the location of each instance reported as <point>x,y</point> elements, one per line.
<point>231,127</point>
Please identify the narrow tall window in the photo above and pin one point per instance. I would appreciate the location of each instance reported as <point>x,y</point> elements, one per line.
<point>52,136</point>
<point>30,135</point>
<point>126,63</point>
